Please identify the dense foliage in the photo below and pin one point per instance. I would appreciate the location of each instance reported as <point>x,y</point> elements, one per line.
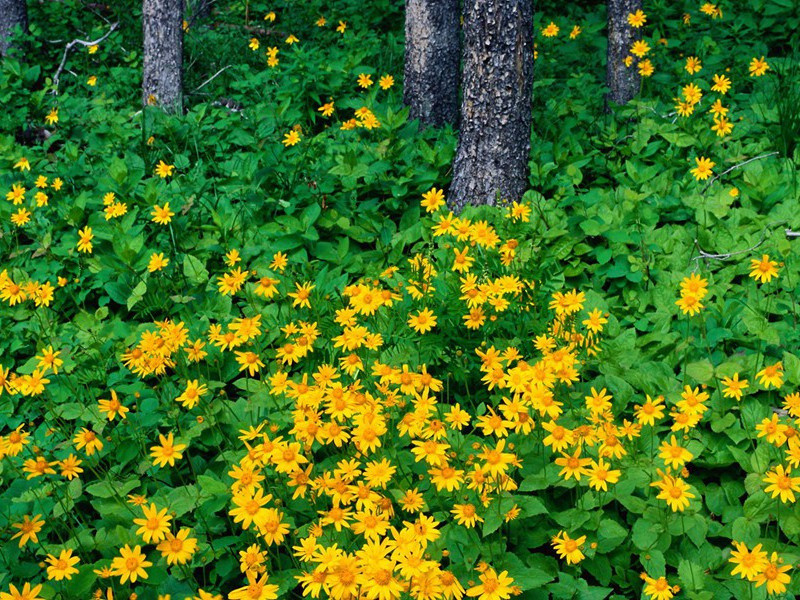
<point>249,353</point>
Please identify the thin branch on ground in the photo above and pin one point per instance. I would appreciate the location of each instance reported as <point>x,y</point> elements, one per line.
<point>212,78</point>
<point>72,44</point>
<point>737,166</point>
<point>726,255</point>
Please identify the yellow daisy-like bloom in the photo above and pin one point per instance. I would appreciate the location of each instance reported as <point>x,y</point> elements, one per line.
<point>386,82</point>
<point>774,575</point>
<point>157,262</point>
<point>771,375</point>
<point>764,270</point>
<point>551,30</point>
<point>492,586</point>
<point>637,19</point>
<point>749,564</point>
<point>29,527</point>
<point>63,566</point>
<point>693,65</point>
<point>673,454</point>
<point>675,492</point>
<point>721,84</point>
<point>162,215</point>
<point>130,564</point>
<point>657,589</point>
<point>734,387</point>
<point>290,139</point>
<point>422,322</point>
<point>758,66</point>
<point>166,452</point>
<point>364,80</point>
<point>155,525</point>
<point>568,548</point>
<point>164,170</point>
<point>257,588</point>
<point>704,167</point>
<point>601,474</point>
<point>178,549</point>
<point>782,484</point>
<point>27,592</point>
<point>432,200</point>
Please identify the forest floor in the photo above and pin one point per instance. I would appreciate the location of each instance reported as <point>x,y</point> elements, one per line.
<point>248,352</point>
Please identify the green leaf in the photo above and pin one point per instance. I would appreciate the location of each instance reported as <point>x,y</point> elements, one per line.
<point>137,294</point>
<point>692,575</point>
<point>610,534</point>
<point>194,270</point>
<point>701,371</point>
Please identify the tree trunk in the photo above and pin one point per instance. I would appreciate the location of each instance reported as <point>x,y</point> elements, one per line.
<point>622,81</point>
<point>12,13</point>
<point>163,53</point>
<point>491,161</point>
<point>430,86</point>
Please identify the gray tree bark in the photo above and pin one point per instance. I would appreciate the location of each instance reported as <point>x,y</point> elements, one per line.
<point>430,81</point>
<point>12,14</point>
<point>622,81</point>
<point>162,84</point>
<point>491,161</point>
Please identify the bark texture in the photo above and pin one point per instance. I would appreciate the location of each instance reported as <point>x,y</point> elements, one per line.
<point>430,81</point>
<point>12,14</point>
<point>163,53</point>
<point>622,81</point>
<point>491,160</point>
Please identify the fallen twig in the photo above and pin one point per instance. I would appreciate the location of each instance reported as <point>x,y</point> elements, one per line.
<point>212,78</point>
<point>741,164</point>
<point>726,255</point>
<point>792,234</point>
<point>69,47</point>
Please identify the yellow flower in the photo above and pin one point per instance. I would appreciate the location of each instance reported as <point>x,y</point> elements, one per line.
<point>721,84</point>
<point>637,19</point>
<point>63,566</point>
<point>342,26</point>
<point>693,65</point>
<point>782,484</point>
<point>734,386</point>
<point>758,66</point>
<point>27,592</point>
<point>551,30</point>
<point>568,548</point>
<point>774,575</point>
<point>326,109</point>
<point>576,31</point>
<point>493,586</point>
<point>657,589</point>
<point>52,117</point>
<point>423,321</point>
<point>254,44</point>
<point>749,563</point>
<point>28,529</point>
<point>704,168</point>
<point>364,80</point>
<point>166,452</point>
<point>386,82</point>
<point>164,170</point>
<point>291,138</point>
<point>157,262</point>
<point>771,375</point>
<point>130,564</point>
<point>432,200</point>
<point>85,238</point>
<point>764,270</point>
<point>162,215</point>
